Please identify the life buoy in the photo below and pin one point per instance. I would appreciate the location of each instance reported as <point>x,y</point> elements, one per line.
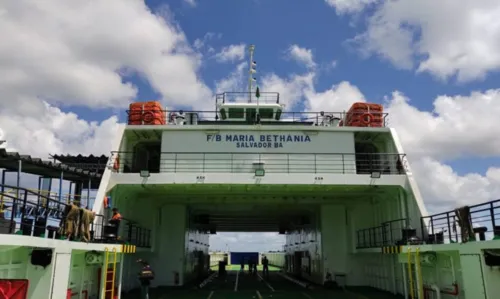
<point>366,118</point>
<point>148,117</point>
<point>106,202</point>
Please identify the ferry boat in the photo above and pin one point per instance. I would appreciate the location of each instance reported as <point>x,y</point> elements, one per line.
<point>337,185</point>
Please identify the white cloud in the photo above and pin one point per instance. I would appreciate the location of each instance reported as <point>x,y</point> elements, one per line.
<point>333,64</point>
<point>444,38</point>
<point>80,54</point>
<point>69,53</point>
<point>235,82</point>
<point>231,53</point>
<point>458,126</point>
<point>245,242</point>
<point>191,3</point>
<point>336,99</point>
<point>200,43</point>
<point>350,6</point>
<point>443,189</point>
<point>56,132</point>
<point>301,55</point>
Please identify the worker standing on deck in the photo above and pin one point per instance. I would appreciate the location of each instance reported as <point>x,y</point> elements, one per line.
<point>265,266</point>
<point>85,221</point>
<point>254,266</point>
<point>71,216</point>
<point>145,276</point>
<point>116,216</point>
<point>250,265</point>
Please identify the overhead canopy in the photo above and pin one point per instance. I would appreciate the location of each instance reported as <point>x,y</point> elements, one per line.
<point>252,218</point>
<point>252,208</point>
<point>91,163</point>
<point>36,166</point>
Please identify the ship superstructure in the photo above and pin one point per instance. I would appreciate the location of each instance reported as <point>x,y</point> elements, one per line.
<point>338,185</point>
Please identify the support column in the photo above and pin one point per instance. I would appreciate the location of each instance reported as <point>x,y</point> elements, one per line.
<point>120,275</point>
<point>70,195</point>
<point>61,178</point>
<point>19,169</point>
<point>61,267</point>
<point>2,183</point>
<point>78,192</point>
<point>404,207</point>
<point>2,190</point>
<point>88,194</point>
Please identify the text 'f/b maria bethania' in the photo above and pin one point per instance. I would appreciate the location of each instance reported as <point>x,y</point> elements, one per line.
<point>259,141</point>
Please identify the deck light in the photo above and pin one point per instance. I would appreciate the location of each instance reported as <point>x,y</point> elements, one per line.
<point>260,172</point>
<point>375,175</point>
<point>144,174</point>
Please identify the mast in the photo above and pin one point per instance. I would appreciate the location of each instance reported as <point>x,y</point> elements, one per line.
<point>251,71</point>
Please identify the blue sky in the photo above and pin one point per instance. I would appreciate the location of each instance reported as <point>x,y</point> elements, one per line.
<point>434,65</point>
<point>275,25</point>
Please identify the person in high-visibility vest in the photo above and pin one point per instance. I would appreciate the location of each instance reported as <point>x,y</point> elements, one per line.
<point>116,215</point>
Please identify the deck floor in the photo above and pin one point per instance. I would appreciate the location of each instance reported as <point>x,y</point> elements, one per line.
<point>252,287</point>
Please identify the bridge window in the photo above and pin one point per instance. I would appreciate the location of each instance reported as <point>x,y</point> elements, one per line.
<point>266,113</point>
<point>223,115</point>
<point>236,113</point>
<point>251,114</point>
<point>278,114</point>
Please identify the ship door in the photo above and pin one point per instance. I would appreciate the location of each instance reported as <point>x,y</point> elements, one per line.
<point>200,264</point>
<point>146,156</point>
<point>297,263</point>
<point>366,161</point>
<point>473,286</point>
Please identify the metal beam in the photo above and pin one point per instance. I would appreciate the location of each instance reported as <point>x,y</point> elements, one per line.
<point>61,178</point>
<point>18,181</point>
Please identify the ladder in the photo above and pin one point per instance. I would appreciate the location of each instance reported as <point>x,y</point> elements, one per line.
<point>109,272</point>
<point>416,286</point>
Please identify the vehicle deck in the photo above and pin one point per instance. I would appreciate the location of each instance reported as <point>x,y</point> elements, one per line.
<point>252,287</point>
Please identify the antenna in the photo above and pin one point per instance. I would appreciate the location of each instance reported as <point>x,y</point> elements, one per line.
<point>252,70</point>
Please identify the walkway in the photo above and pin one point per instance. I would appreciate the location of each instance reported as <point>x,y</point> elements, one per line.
<point>243,285</point>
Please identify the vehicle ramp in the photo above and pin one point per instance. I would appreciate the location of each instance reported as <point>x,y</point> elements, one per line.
<point>238,284</point>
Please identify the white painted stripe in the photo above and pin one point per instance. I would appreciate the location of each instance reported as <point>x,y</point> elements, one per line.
<point>356,295</point>
<point>307,295</point>
<point>236,283</point>
<point>267,284</point>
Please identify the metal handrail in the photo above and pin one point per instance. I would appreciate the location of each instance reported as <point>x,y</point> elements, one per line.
<point>370,237</point>
<point>340,163</point>
<point>42,210</point>
<point>388,233</point>
<point>49,194</point>
<point>445,224</point>
<point>313,118</point>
